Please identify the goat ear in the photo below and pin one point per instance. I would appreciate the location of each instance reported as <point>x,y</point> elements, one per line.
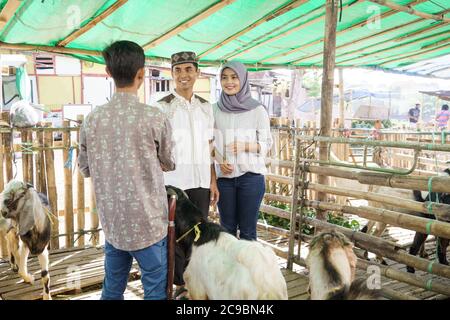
<point>27,213</point>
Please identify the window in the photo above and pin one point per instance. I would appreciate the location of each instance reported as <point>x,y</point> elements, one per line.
<point>45,64</point>
<point>162,86</point>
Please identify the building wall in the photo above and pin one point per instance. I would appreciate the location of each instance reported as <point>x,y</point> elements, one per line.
<point>54,91</point>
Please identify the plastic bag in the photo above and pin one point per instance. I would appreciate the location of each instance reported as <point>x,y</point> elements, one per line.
<point>23,115</point>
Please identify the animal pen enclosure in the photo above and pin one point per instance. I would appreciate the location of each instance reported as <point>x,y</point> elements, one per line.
<point>416,166</point>
<point>34,156</point>
<point>279,34</point>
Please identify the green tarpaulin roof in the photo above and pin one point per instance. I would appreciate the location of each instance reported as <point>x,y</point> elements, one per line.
<point>267,33</point>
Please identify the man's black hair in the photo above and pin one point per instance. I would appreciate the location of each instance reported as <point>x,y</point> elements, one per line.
<point>124,59</point>
<point>445,107</point>
<point>194,63</point>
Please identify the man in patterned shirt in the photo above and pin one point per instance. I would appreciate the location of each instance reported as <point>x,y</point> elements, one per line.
<point>124,147</point>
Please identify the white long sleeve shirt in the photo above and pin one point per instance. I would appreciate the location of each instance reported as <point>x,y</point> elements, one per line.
<point>249,126</point>
<point>192,126</point>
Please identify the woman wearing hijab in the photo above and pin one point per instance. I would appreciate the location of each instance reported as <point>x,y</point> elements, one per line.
<point>242,139</point>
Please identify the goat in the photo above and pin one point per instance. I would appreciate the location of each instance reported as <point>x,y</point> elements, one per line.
<point>419,238</point>
<point>221,266</point>
<point>28,229</point>
<point>332,265</point>
<point>380,158</point>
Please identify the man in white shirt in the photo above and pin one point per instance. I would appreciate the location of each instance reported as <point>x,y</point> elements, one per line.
<point>192,121</point>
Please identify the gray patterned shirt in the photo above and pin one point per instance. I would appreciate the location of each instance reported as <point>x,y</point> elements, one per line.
<point>125,146</point>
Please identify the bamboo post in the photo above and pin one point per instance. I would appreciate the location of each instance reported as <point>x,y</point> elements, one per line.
<point>294,205</point>
<point>51,183</point>
<point>68,195</point>
<point>80,194</point>
<point>326,111</point>
<point>3,244</point>
<point>30,156</point>
<point>8,149</point>
<point>2,158</point>
<point>40,166</point>
<point>284,156</point>
<point>24,138</point>
<point>94,215</point>
<point>341,99</point>
<point>37,164</point>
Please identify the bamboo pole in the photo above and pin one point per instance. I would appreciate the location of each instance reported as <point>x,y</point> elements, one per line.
<point>52,192</point>
<point>380,247</point>
<point>24,140</point>
<point>196,18</point>
<point>3,244</point>
<point>379,143</point>
<point>395,254</point>
<point>80,195</point>
<point>94,215</point>
<point>442,211</point>
<point>2,160</point>
<point>419,224</point>
<point>92,23</point>
<point>272,15</point>
<point>341,99</point>
<point>392,273</point>
<point>68,194</point>
<point>37,165</point>
<point>294,206</point>
<point>30,156</point>
<point>410,10</point>
<point>41,165</point>
<point>326,111</point>
<point>7,137</point>
<point>439,183</point>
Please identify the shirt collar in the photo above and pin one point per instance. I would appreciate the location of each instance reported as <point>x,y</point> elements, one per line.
<point>193,98</point>
<point>125,96</point>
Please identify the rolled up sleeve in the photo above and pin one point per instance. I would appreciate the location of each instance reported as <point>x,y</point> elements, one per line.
<point>263,135</point>
<point>165,143</point>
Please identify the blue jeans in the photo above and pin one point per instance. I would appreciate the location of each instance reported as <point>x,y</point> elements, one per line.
<point>239,202</point>
<point>152,263</point>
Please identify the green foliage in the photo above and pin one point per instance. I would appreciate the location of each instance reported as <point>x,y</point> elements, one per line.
<point>310,213</point>
<point>312,82</point>
<point>370,124</point>
<point>342,221</point>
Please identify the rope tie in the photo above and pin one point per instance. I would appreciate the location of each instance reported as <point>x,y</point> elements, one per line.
<point>197,233</point>
<point>429,284</point>
<point>68,163</point>
<point>27,147</point>
<point>430,267</point>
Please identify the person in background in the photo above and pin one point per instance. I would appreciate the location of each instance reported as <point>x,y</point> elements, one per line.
<point>243,139</point>
<point>443,117</point>
<point>414,114</point>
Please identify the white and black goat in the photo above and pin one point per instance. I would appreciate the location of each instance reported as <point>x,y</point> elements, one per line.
<point>28,229</point>
<point>420,238</point>
<point>381,158</point>
<point>332,266</point>
<point>220,266</point>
